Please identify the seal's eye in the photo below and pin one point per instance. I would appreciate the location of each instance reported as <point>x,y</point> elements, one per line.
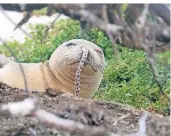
<point>99,51</point>
<point>70,44</point>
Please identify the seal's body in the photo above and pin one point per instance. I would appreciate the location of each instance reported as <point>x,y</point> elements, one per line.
<point>59,72</point>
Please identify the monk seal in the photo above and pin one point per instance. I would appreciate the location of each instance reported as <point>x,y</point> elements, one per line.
<point>75,67</point>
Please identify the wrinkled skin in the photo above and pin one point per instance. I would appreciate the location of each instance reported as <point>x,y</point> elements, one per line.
<point>59,71</point>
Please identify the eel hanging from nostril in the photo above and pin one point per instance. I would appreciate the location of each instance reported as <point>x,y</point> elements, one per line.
<point>79,69</point>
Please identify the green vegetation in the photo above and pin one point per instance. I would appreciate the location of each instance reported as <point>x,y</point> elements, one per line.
<point>128,80</point>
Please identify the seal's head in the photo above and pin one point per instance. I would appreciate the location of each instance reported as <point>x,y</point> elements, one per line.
<point>76,58</point>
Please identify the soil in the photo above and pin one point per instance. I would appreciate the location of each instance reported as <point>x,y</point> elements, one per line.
<point>110,115</point>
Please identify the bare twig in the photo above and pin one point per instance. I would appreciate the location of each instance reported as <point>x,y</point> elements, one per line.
<point>142,128</point>
<point>48,27</point>
<point>97,22</point>
<point>151,60</point>
<point>140,24</point>
<point>24,20</point>
<point>3,12</point>
<point>106,20</point>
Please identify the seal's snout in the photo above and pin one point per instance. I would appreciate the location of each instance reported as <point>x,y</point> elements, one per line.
<point>85,55</point>
<point>85,51</point>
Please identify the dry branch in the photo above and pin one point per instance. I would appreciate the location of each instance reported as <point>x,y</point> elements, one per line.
<point>92,14</point>
<point>149,47</point>
<point>9,18</point>
<point>24,20</point>
<point>128,32</point>
<point>106,20</point>
<point>48,27</point>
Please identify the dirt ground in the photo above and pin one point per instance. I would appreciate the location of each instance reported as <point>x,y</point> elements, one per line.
<point>110,115</point>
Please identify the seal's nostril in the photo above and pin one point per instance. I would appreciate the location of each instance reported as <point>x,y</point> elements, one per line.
<point>85,64</point>
<point>88,56</point>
